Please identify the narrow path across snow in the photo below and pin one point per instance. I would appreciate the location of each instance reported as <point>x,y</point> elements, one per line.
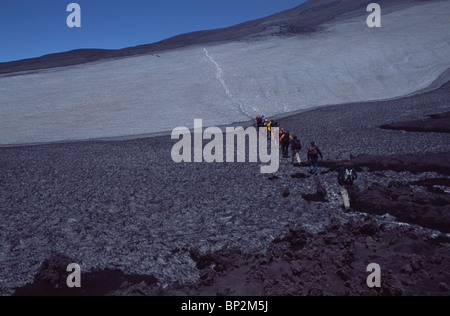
<point>219,76</point>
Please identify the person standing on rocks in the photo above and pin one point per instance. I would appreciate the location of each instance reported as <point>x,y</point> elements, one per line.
<point>346,176</point>
<point>313,157</point>
<point>266,126</point>
<point>269,129</point>
<point>285,142</point>
<point>296,146</point>
<point>259,120</point>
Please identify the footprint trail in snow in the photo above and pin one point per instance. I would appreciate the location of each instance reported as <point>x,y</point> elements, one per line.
<point>224,85</point>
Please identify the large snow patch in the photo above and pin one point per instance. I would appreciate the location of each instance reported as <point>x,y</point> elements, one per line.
<point>229,82</point>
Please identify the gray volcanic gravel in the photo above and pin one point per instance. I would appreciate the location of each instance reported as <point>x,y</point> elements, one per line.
<point>126,205</point>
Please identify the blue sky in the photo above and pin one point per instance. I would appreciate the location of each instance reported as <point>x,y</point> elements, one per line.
<point>32,28</point>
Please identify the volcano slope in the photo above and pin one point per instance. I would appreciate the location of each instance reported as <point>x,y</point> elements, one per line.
<point>138,223</point>
<point>162,228</point>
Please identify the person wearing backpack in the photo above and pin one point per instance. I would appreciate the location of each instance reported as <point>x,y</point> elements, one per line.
<point>259,121</point>
<point>281,133</point>
<point>285,142</point>
<point>313,157</point>
<point>269,129</point>
<point>296,146</point>
<point>346,176</point>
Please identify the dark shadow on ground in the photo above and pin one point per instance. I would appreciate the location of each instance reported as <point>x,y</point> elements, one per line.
<point>439,123</point>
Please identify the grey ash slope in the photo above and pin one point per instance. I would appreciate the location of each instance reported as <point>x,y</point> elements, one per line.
<point>233,81</point>
<point>302,19</point>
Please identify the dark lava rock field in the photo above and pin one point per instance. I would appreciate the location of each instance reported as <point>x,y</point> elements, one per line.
<point>140,224</point>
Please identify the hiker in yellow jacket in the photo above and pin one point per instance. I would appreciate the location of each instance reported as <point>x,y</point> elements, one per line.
<point>269,129</point>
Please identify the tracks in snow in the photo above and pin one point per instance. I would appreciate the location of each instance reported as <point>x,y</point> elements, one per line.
<point>219,76</point>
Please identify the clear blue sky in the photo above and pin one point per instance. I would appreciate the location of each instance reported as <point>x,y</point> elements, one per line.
<point>32,28</point>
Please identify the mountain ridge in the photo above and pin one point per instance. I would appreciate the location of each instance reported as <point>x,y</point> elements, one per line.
<point>305,18</point>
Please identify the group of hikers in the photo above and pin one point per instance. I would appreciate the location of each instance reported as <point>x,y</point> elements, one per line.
<point>286,140</point>
<point>346,174</point>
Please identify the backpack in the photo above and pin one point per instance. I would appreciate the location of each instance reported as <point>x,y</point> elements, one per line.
<point>313,151</point>
<point>296,145</point>
<point>286,138</point>
<point>348,176</point>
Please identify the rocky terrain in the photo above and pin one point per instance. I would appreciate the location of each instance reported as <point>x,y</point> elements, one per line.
<point>437,123</point>
<point>332,262</point>
<point>140,224</point>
